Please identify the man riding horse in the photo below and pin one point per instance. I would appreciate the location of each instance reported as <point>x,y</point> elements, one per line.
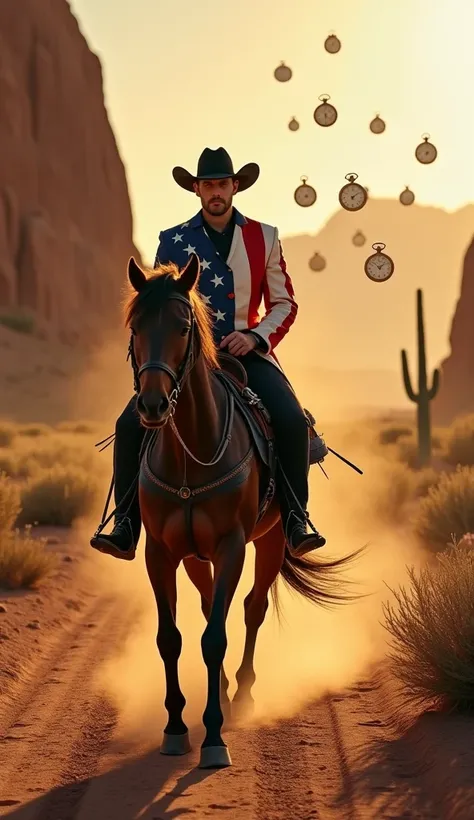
<point>241,264</point>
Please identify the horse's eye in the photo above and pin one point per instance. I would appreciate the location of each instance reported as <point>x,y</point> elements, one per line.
<point>185,331</point>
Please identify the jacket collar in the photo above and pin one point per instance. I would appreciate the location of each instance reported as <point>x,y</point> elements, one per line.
<point>197,220</point>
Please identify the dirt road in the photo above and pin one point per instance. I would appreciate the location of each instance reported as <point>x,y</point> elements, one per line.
<point>341,758</point>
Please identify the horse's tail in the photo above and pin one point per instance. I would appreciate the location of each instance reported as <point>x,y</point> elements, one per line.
<point>317,580</point>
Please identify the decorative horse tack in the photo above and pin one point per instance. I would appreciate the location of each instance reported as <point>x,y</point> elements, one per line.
<point>222,528</point>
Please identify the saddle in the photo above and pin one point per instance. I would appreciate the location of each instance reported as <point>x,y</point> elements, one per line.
<point>258,419</point>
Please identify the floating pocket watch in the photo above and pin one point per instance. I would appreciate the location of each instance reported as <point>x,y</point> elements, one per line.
<point>317,262</point>
<point>377,126</point>
<point>293,124</point>
<point>426,152</point>
<point>305,195</point>
<point>353,196</point>
<point>379,266</point>
<point>407,197</point>
<point>358,239</point>
<point>283,72</point>
<point>325,114</point>
<point>332,44</point>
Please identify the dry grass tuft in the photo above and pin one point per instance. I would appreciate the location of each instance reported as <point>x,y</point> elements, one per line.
<point>24,561</point>
<point>432,631</point>
<point>459,445</point>
<point>398,490</point>
<point>447,511</point>
<point>7,433</point>
<point>9,503</point>
<point>58,496</point>
<point>77,427</point>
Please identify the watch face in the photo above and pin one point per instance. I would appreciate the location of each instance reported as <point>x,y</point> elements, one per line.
<point>426,152</point>
<point>305,195</point>
<point>407,197</point>
<point>353,196</point>
<point>379,267</point>
<point>325,114</point>
<point>332,44</point>
<point>377,126</point>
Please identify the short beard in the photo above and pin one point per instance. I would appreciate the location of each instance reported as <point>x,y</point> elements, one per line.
<point>214,211</point>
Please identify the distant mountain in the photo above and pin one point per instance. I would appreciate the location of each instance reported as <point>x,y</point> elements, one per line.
<point>346,322</point>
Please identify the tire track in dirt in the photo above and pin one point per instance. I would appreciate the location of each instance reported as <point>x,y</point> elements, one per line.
<point>54,730</point>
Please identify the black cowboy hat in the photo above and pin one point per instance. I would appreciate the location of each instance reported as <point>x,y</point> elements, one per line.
<point>216,164</point>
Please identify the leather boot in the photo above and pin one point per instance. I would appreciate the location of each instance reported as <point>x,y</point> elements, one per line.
<point>299,539</point>
<point>120,543</point>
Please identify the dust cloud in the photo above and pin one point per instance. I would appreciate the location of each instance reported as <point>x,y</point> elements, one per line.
<point>313,651</point>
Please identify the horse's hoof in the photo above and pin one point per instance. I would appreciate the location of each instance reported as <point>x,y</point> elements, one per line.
<point>214,757</point>
<point>175,744</point>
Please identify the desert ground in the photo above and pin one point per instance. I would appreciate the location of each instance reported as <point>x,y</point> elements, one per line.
<point>332,737</point>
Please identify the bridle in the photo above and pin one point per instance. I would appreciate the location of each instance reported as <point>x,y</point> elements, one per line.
<point>190,357</point>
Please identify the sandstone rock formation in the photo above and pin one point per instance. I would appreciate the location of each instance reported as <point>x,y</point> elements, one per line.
<point>456,394</point>
<point>65,216</point>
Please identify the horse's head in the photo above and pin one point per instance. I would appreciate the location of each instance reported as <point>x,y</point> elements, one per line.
<point>166,339</point>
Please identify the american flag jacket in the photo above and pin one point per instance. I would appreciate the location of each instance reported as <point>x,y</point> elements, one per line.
<point>255,272</point>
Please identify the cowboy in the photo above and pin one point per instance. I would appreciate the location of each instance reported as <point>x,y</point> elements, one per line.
<point>242,264</point>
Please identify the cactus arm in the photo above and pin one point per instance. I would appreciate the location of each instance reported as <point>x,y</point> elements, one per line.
<point>435,386</point>
<point>406,378</point>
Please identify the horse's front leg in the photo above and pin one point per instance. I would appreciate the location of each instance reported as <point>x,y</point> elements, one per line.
<point>228,564</point>
<point>162,574</point>
<point>269,554</point>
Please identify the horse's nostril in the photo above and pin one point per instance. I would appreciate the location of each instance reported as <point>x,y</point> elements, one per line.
<point>163,405</point>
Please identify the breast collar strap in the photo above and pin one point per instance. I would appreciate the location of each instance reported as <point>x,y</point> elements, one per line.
<point>178,378</point>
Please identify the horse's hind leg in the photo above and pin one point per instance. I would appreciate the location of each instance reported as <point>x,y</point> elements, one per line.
<point>269,553</point>
<point>162,574</point>
<point>228,563</point>
<point>200,574</point>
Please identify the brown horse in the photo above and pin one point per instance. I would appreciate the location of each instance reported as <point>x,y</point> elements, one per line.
<point>205,469</point>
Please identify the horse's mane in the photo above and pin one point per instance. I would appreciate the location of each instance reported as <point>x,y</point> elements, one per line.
<point>148,301</point>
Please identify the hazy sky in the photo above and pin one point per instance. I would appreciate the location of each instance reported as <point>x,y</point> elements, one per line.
<point>183,75</point>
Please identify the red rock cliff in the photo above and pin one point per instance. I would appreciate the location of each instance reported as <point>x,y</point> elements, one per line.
<point>65,216</point>
<point>456,394</point>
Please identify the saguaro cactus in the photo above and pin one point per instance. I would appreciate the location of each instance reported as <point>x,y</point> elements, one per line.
<point>425,395</point>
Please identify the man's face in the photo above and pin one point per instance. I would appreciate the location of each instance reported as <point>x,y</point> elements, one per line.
<point>216,194</point>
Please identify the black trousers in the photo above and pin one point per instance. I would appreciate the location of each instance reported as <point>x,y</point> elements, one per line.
<point>289,425</point>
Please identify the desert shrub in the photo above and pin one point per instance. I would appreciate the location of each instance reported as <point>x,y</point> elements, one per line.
<point>395,488</point>
<point>390,435</point>
<point>9,503</point>
<point>459,446</point>
<point>24,561</point>
<point>7,434</point>
<point>57,496</point>
<point>34,430</point>
<point>56,452</point>
<point>77,427</point>
<point>431,625</point>
<point>21,322</point>
<point>447,510</point>
<point>425,479</point>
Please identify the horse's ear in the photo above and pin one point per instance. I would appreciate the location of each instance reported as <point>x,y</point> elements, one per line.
<point>190,274</point>
<point>136,275</point>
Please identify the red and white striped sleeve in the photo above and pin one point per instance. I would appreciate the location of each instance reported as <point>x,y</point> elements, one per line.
<point>280,305</point>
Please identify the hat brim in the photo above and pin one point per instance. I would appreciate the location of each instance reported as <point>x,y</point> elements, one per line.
<point>246,176</point>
